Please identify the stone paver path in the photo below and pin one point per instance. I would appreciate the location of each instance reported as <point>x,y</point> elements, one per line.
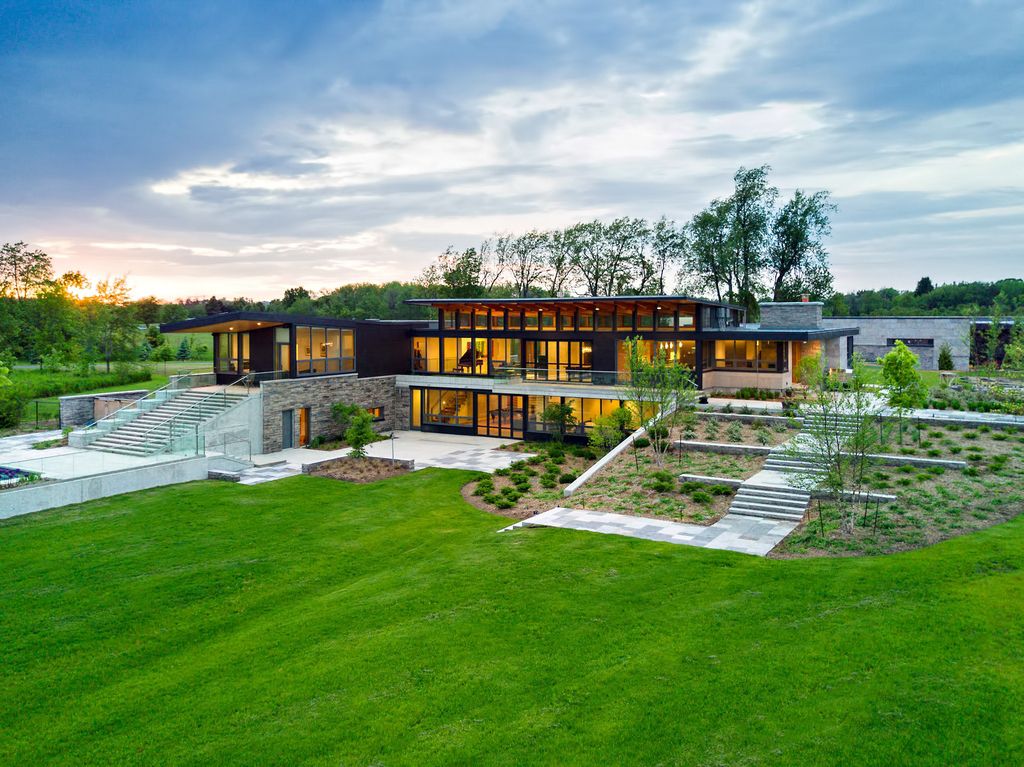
<point>474,459</point>
<point>746,535</point>
<point>257,475</point>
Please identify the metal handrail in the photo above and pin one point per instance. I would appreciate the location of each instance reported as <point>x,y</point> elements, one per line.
<point>220,392</point>
<point>615,377</point>
<point>175,381</point>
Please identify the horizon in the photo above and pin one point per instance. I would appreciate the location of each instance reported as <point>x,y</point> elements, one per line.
<point>249,148</point>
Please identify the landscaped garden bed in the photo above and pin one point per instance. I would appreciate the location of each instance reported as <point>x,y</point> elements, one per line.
<point>534,484</point>
<point>707,428</point>
<point>933,503</point>
<point>360,469</point>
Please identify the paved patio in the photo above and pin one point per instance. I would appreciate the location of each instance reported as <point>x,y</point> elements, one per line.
<point>745,535</point>
<point>67,462</point>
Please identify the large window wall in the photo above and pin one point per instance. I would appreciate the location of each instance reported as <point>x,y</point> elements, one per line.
<point>321,350</point>
<point>683,352</point>
<point>767,356</point>
<point>232,353</point>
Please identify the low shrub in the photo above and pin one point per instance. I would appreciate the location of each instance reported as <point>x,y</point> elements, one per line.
<point>548,482</point>
<point>12,405</point>
<point>702,497</point>
<point>505,503</point>
<point>734,432</point>
<point>720,490</point>
<point>690,486</point>
<point>641,442</point>
<point>501,472</point>
<point>567,477</point>
<point>933,453</point>
<point>971,471</point>
<point>510,492</point>
<point>999,437</point>
<point>533,460</point>
<point>663,482</point>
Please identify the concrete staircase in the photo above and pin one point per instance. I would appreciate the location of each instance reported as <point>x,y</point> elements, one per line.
<point>790,462</point>
<point>787,504</point>
<point>845,425</point>
<point>154,430</point>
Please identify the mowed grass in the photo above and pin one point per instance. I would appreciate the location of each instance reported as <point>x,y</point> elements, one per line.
<point>307,621</point>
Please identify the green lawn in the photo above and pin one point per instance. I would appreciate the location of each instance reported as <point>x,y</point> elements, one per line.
<point>307,621</point>
<point>928,377</point>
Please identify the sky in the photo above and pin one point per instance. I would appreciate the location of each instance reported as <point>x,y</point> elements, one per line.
<point>241,148</point>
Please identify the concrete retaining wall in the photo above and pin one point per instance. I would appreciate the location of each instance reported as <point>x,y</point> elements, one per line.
<point>729,448</point>
<point>50,495</point>
<point>704,480</point>
<point>603,461</point>
<point>238,432</point>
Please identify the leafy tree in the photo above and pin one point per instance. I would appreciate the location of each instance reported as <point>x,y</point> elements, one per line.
<point>750,211</point>
<point>797,260</point>
<point>945,357</point>
<point>610,429</point>
<point>463,274</point>
<point>839,437</point>
<point>4,380</point>
<point>560,416</point>
<point>184,350</point>
<point>342,413</point>
<point>667,243</point>
<point>23,272</point>
<point>924,285</point>
<point>525,259</point>
<point>148,310</point>
<point>111,320</point>
<point>291,295</point>
<point>656,387</point>
<point>360,433</point>
<point>153,336</point>
<point>707,257</point>
<point>163,353</point>
<point>585,243</point>
<point>561,261</point>
<point>902,380</point>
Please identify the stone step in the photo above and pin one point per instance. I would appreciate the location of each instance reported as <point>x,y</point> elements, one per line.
<point>779,515</point>
<point>771,502</point>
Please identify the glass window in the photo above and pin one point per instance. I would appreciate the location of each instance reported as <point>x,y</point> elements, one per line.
<point>644,320</point>
<point>566,320</point>
<point>547,320</point>
<point>530,320</point>
<point>666,321</point>
<point>333,342</point>
<point>282,335</point>
<point>586,319</point>
<point>686,319</point>
<point>465,320</point>
<point>605,319</point>
<point>448,319</point>
<point>515,321</point>
<point>417,408</point>
<point>497,319</point>
<point>624,320</point>
<point>448,407</point>
<point>480,319</point>
<point>687,353</point>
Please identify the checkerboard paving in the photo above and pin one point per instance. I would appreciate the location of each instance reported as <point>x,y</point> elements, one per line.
<point>260,474</point>
<point>474,459</point>
<point>746,535</point>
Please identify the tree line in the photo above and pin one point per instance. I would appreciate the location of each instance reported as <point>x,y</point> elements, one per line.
<point>1002,297</point>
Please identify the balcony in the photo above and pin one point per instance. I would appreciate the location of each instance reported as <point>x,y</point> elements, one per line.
<point>561,375</point>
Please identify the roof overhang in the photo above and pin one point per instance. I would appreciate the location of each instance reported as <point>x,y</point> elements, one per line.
<point>597,301</point>
<point>780,334</point>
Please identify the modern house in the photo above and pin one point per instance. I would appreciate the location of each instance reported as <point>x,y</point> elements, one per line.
<point>491,366</point>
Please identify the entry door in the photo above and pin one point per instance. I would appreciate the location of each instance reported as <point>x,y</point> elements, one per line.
<point>284,357</point>
<point>303,427</point>
<point>286,429</point>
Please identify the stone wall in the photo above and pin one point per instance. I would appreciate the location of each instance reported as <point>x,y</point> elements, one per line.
<point>932,332</point>
<point>80,409</point>
<point>791,314</point>
<point>319,394</point>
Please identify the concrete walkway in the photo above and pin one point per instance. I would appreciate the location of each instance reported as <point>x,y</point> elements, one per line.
<point>745,535</point>
<point>67,462</point>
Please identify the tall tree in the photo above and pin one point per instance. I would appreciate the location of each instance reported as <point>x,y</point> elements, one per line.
<point>561,262</point>
<point>22,271</point>
<point>586,243</point>
<point>667,245</point>
<point>112,320</point>
<point>924,285</point>
<point>624,242</point>
<point>797,261</point>
<point>524,257</point>
<point>707,256</point>
<point>750,210</point>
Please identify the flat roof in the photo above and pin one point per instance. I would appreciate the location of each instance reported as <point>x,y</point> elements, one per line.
<point>569,299</point>
<point>779,334</point>
<point>247,320</point>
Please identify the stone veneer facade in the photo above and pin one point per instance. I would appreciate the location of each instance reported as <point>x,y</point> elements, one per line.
<point>924,334</point>
<point>319,394</point>
<point>785,315</point>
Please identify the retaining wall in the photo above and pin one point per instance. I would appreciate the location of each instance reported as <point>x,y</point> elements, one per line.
<point>50,495</point>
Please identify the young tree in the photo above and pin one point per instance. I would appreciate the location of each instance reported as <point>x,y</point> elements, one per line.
<point>163,353</point>
<point>609,430</point>
<point>904,388</point>
<point>656,386</point>
<point>184,351</point>
<point>945,357</point>
<point>360,433</point>
<point>797,260</point>
<point>342,413</point>
<point>839,433</point>
<point>560,416</point>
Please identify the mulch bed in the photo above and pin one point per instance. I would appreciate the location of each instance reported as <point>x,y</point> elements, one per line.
<point>360,470</point>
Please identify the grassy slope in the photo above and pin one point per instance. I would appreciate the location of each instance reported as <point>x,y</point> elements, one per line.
<point>309,621</point>
<point>928,377</point>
